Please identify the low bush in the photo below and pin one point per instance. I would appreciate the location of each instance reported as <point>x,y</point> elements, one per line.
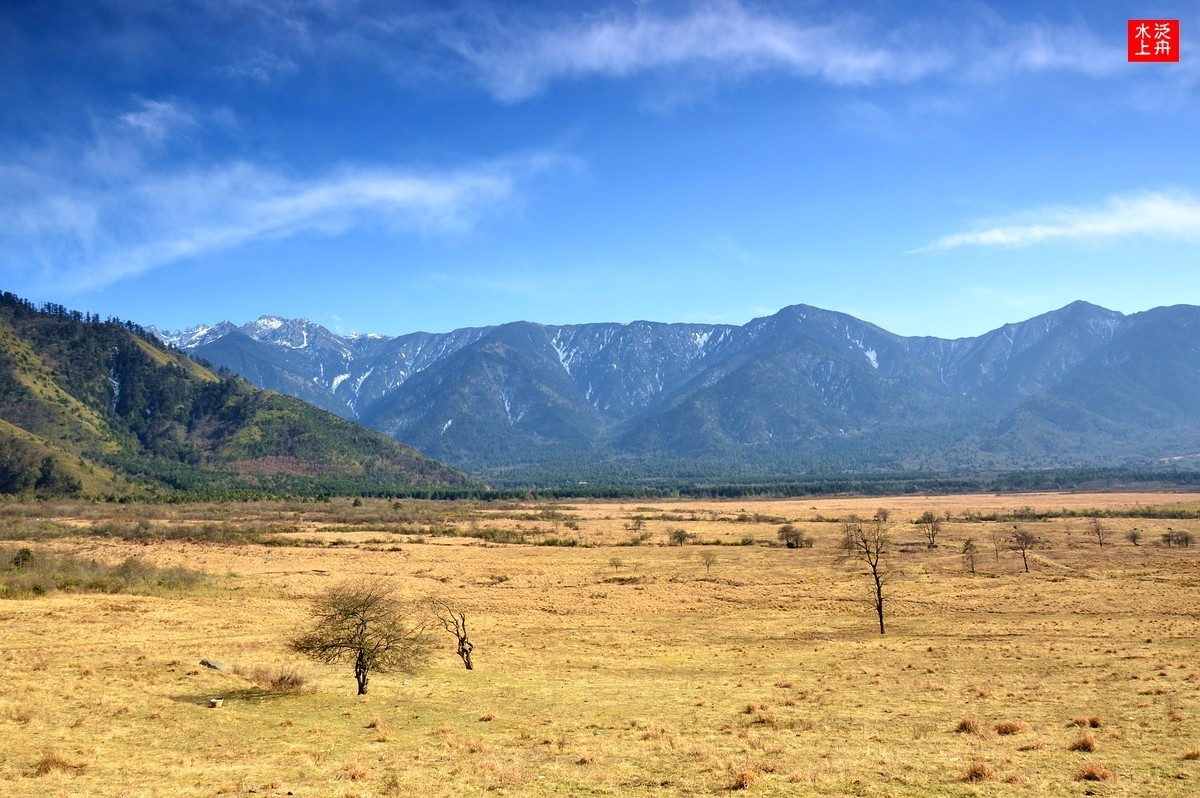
<point>978,771</point>
<point>26,572</point>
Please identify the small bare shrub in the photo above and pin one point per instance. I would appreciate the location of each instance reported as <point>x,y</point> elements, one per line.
<point>383,732</point>
<point>1093,771</point>
<point>1086,742</point>
<point>353,771</point>
<point>279,679</point>
<point>968,726</point>
<point>1192,754</point>
<point>742,778</point>
<point>1007,727</point>
<point>978,771</point>
<point>52,760</point>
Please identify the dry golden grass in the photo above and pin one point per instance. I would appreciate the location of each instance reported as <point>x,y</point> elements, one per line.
<point>651,678</point>
<point>979,771</point>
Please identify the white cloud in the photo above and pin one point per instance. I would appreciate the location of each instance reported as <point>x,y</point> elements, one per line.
<point>519,58</point>
<point>93,215</point>
<point>156,120</point>
<point>1170,215</point>
<point>519,61</point>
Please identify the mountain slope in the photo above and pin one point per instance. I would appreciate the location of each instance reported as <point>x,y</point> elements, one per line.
<point>804,389</point>
<point>93,407</point>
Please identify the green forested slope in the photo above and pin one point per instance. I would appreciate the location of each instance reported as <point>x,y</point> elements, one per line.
<point>100,407</point>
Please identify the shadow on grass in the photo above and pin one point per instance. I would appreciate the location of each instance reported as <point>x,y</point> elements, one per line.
<point>239,695</point>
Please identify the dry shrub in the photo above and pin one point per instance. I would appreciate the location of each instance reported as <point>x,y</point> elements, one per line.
<point>765,718</point>
<point>1007,727</point>
<point>968,726</point>
<point>383,732</point>
<point>585,759</point>
<point>1093,771</point>
<point>353,771</point>
<point>742,778</point>
<point>1193,754</point>
<point>52,760</point>
<point>278,679</point>
<point>487,717</point>
<point>1093,722</point>
<point>1086,742</point>
<point>22,715</point>
<point>978,771</point>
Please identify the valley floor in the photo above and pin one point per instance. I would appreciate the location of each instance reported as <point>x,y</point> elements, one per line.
<point>604,668</point>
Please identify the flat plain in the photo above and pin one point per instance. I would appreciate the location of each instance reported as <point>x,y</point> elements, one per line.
<point>610,662</point>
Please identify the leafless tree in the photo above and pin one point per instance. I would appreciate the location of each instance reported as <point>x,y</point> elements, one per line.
<point>708,559</point>
<point>997,542</point>
<point>454,621</point>
<point>1098,531</point>
<point>930,525</point>
<point>869,543</point>
<point>364,623</point>
<point>1134,536</point>
<point>1022,541</point>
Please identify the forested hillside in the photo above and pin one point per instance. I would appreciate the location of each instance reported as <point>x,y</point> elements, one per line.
<point>101,407</point>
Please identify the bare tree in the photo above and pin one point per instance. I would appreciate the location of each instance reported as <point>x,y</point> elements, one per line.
<point>454,621</point>
<point>1098,531</point>
<point>970,553</point>
<point>883,514</point>
<point>678,536</point>
<point>930,525</point>
<point>997,542</point>
<point>1022,541</point>
<point>869,543</point>
<point>709,559</point>
<point>364,623</point>
<point>1134,536</point>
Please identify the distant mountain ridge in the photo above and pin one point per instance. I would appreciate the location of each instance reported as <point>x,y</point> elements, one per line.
<point>800,391</point>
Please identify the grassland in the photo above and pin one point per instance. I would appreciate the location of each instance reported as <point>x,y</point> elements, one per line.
<point>605,668</point>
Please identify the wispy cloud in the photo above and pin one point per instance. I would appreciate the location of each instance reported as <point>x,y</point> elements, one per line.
<point>516,53</point>
<point>156,119</point>
<point>517,60</point>
<point>1162,215</point>
<point>518,57</point>
<point>95,214</point>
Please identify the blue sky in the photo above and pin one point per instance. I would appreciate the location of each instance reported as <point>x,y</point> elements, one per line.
<point>936,168</point>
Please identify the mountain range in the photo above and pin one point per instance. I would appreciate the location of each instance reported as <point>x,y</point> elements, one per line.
<point>802,391</point>
<point>102,408</point>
